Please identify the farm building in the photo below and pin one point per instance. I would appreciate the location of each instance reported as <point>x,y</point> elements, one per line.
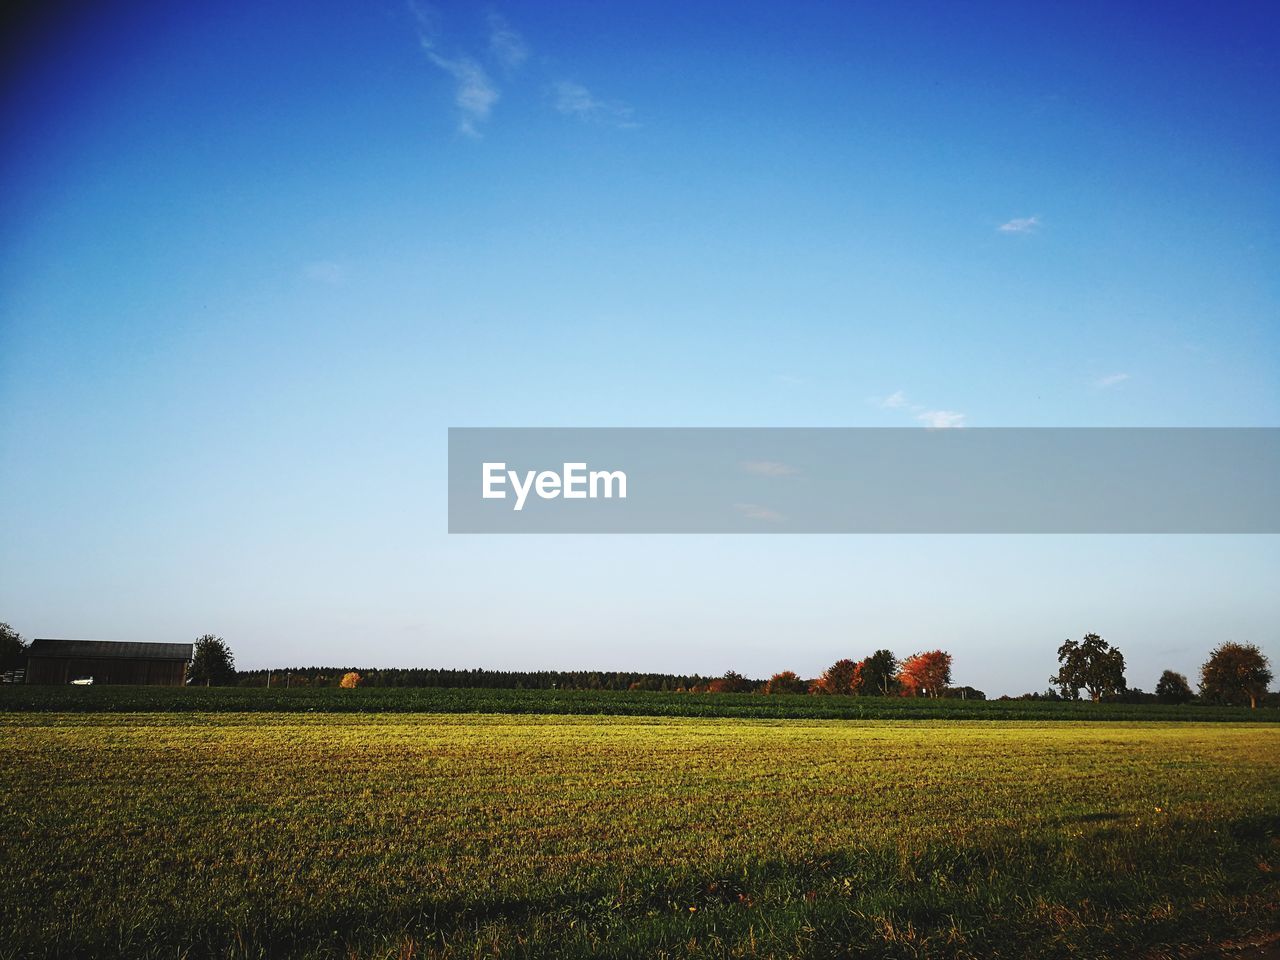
<point>108,661</point>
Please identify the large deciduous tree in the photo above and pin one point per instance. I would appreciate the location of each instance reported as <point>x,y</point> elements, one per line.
<point>927,674</point>
<point>1092,664</point>
<point>212,662</point>
<point>878,674</point>
<point>13,649</point>
<point>1172,687</point>
<point>837,678</point>
<point>1235,673</point>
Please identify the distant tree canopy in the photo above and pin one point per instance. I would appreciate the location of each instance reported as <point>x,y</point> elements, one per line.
<point>878,674</point>
<point>480,679</point>
<point>927,674</point>
<point>731,682</point>
<point>212,662</point>
<point>837,679</point>
<point>1092,664</point>
<point>1172,687</point>
<point>13,649</point>
<point>350,680</point>
<point>785,682</point>
<point>1235,673</point>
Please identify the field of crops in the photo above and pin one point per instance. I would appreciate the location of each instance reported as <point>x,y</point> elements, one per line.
<point>365,835</point>
<point>590,703</point>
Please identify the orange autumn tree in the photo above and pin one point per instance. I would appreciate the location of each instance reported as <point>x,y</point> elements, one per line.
<point>350,680</point>
<point>925,674</point>
<point>857,683</point>
<point>838,678</point>
<point>785,682</point>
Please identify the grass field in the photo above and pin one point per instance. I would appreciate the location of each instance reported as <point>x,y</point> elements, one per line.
<point>364,835</point>
<point>68,698</point>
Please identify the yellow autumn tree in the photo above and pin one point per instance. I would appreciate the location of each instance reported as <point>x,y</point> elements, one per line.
<point>350,680</point>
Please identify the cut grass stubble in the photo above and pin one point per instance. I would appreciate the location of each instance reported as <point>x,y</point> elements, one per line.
<point>255,835</point>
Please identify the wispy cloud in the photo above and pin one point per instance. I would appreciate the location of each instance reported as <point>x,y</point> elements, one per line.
<point>1020,225</point>
<point>428,20</point>
<point>506,46</point>
<point>1110,380</point>
<point>769,468</point>
<point>328,272</point>
<point>941,419</point>
<point>474,92</point>
<point>575,100</point>
<point>933,419</point>
<point>753,511</point>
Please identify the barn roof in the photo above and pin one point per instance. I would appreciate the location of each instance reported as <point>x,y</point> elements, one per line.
<point>110,649</point>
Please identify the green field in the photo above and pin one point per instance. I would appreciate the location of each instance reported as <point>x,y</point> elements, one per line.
<point>591,703</point>
<point>365,835</point>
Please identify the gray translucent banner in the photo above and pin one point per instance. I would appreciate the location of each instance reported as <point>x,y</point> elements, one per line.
<point>912,480</point>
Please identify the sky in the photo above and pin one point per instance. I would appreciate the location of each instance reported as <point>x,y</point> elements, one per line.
<point>257,258</point>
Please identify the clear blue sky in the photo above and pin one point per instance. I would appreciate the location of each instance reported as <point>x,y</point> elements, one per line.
<point>255,258</point>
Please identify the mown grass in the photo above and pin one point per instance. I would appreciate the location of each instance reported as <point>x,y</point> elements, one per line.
<point>362,835</point>
<point>69,698</point>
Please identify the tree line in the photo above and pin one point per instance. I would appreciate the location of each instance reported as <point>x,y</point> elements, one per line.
<point>1234,673</point>
<point>471,678</point>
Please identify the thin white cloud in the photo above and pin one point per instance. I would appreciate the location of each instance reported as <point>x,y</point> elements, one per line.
<point>328,272</point>
<point>1110,380</point>
<point>933,419</point>
<point>475,93</point>
<point>506,46</point>
<point>941,419</point>
<point>575,100</point>
<point>1020,225</point>
<point>753,511</point>
<point>428,21</point>
<point>769,468</point>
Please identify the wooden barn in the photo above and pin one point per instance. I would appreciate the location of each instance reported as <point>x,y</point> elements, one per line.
<point>108,661</point>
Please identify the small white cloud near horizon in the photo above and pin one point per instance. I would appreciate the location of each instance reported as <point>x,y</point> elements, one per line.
<point>754,511</point>
<point>942,419</point>
<point>769,468</point>
<point>1020,225</point>
<point>575,100</point>
<point>894,401</point>
<point>328,272</point>
<point>1111,380</point>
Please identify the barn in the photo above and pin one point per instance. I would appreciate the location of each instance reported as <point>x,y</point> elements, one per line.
<point>108,661</point>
